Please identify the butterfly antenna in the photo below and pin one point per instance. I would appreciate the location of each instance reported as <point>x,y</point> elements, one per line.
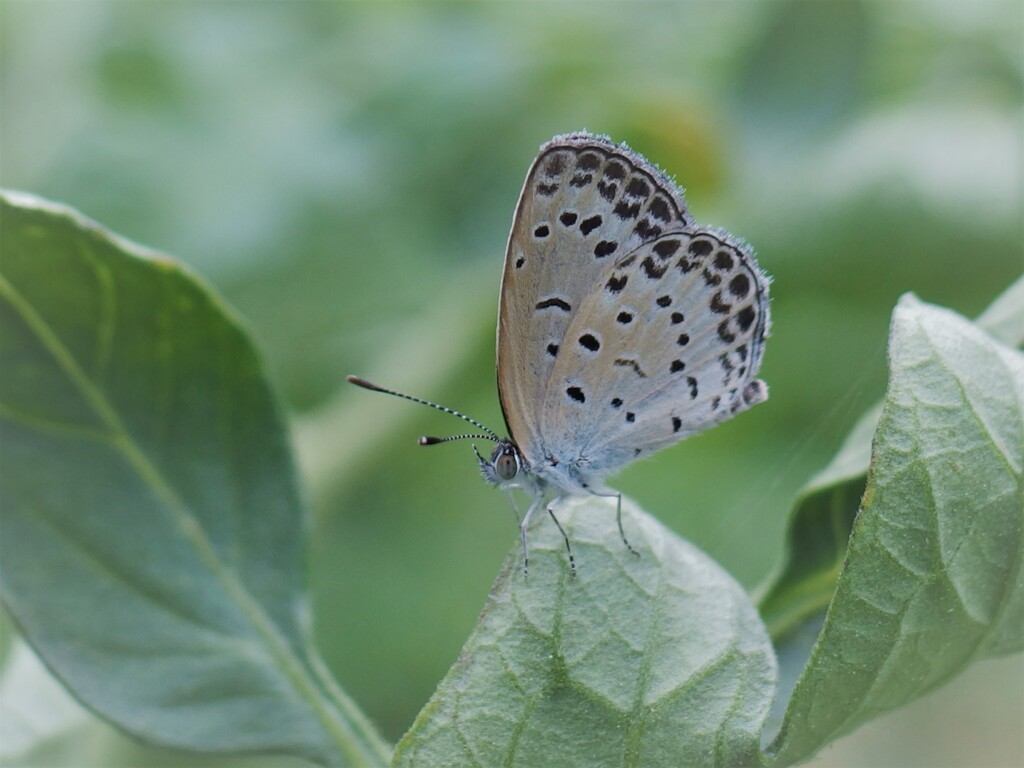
<point>428,440</point>
<point>491,435</point>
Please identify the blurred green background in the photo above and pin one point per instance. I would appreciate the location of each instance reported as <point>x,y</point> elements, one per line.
<point>345,174</point>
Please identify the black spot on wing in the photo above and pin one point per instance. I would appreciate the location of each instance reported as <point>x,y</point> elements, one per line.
<point>710,278</point>
<point>607,190</point>
<point>625,362</point>
<point>723,260</point>
<point>589,225</point>
<point>555,302</point>
<point>645,230</point>
<point>626,210</point>
<point>666,249</point>
<point>653,270</point>
<point>718,306</point>
<point>701,247</point>
<point>616,283</point>
<point>739,286</point>
<point>685,265</point>
<point>637,187</point>
<point>745,317</point>
<point>659,209</point>
<point>576,394</point>
<point>555,164</point>
<point>589,161</point>
<point>615,170</point>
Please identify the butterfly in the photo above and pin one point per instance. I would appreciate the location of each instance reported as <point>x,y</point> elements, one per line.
<point>623,327</point>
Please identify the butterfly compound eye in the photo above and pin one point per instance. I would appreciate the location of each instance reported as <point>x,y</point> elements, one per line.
<point>505,461</point>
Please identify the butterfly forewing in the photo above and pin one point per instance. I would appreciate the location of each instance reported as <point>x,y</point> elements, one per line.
<point>586,203</point>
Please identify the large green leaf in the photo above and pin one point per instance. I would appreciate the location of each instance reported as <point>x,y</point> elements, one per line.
<point>933,576</point>
<point>152,528</point>
<point>656,660</point>
<point>814,549</point>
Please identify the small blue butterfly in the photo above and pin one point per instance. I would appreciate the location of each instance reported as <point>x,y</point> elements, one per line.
<point>623,326</point>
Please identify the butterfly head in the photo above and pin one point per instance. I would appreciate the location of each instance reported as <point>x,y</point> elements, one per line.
<point>504,464</point>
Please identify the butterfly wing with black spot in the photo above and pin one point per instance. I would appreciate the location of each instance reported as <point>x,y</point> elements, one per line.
<point>670,346</point>
<point>586,203</point>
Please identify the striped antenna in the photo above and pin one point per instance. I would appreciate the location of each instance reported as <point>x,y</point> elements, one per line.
<point>491,435</point>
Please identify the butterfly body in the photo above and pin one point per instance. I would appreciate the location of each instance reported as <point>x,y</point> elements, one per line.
<point>623,326</point>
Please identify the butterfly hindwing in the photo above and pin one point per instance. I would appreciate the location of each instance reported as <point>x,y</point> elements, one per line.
<point>670,346</point>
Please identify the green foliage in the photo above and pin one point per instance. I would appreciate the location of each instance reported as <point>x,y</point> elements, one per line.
<point>933,576</point>
<point>656,660</point>
<point>344,175</point>
<point>160,576</point>
<point>153,532</point>
<point>823,516</point>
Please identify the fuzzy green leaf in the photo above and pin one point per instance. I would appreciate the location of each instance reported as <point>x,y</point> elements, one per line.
<point>933,576</point>
<point>152,527</point>
<point>656,660</point>
<point>799,591</point>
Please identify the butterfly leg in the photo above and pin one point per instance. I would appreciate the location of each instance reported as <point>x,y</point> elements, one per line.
<point>515,507</point>
<point>537,501</point>
<point>568,546</point>
<point>618,519</point>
